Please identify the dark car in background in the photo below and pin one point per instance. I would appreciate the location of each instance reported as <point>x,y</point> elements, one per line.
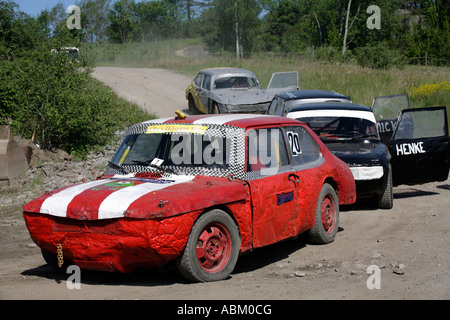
<point>283,102</point>
<point>349,131</point>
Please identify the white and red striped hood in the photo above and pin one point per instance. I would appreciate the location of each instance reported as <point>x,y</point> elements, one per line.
<point>122,196</point>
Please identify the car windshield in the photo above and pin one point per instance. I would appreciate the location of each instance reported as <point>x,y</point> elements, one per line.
<point>328,128</point>
<point>235,82</point>
<point>171,152</point>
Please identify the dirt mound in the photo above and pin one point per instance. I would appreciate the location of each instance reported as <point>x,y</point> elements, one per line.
<point>194,52</point>
<point>49,170</point>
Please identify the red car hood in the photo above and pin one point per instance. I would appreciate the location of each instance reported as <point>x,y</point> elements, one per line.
<point>121,196</point>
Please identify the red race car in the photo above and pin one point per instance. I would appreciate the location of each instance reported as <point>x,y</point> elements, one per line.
<point>199,190</point>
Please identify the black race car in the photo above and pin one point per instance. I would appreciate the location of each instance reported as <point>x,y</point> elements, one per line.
<point>349,131</point>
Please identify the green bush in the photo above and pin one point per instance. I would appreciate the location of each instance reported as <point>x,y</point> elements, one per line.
<point>56,100</point>
<point>53,97</point>
<point>328,53</point>
<point>378,56</point>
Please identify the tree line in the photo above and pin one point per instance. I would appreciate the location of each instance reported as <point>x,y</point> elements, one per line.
<point>333,29</point>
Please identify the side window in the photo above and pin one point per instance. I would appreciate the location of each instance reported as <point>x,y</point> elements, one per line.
<point>266,150</point>
<point>303,148</point>
<point>280,107</point>
<point>206,82</point>
<point>198,80</point>
<point>253,82</point>
<point>419,124</point>
<point>272,107</point>
<point>275,107</point>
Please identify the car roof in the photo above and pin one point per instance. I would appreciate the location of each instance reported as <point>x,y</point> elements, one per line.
<point>234,119</point>
<point>227,70</point>
<point>333,109</point>
<point>311,94</point>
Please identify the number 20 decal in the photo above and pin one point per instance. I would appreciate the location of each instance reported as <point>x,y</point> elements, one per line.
<point>294,143</point>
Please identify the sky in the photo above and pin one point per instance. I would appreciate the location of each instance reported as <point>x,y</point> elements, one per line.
<point>34,7</point>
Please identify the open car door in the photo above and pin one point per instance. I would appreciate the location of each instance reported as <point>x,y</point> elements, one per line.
<point>386,110</point>
<point>284,80</point>
<point>419,146</point>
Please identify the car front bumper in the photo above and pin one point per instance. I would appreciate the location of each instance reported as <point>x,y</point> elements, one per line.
<point>244,108</point>
<point>369,179</point>
<point>122,245</point>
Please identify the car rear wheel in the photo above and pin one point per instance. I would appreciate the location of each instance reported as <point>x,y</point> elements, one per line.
<point>327,216</point>
<point>386,199</point>
<point>212,249</point>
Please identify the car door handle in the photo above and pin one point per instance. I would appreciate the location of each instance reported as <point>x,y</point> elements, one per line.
<point>294,178</point>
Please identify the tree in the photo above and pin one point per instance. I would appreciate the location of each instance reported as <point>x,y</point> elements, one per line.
<point>152,17</point>
<point>123,23</point>
<point>347,27</point>
<point>57,15</point>
<point>436,29</point>
<point>191,8</point>
<point>280,24</point>
<point>344,44</point>
<point>95,19</point>
<point>237,23</point>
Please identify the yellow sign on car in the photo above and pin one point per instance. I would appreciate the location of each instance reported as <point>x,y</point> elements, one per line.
<point>176,128</point>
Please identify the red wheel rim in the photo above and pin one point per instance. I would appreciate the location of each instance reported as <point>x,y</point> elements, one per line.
<point>214,247</point>
<point>328,214</point>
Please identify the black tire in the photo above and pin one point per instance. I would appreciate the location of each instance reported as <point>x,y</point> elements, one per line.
<point>209,255</point>
<point>386,199</point>
<point>215,108</point>
<point>191,105</point>
<point>327,216</point>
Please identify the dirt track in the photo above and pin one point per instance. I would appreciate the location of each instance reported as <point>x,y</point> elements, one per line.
<point>409,244</point>
<point>158,91</point>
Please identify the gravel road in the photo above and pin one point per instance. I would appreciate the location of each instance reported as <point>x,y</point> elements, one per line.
<point>400,253</point>
<point>158,91</point>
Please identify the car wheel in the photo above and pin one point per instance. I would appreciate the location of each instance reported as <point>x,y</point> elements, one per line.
<point>215,108</point>
<point>212,249</point>
<point>386,199</point>
<point>327,216</point>
<point>191,105</point>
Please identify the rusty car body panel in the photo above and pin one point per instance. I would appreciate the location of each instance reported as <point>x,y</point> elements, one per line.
<point>142,214</point>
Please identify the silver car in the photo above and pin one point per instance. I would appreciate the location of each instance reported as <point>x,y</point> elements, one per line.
<point>234,90</point>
